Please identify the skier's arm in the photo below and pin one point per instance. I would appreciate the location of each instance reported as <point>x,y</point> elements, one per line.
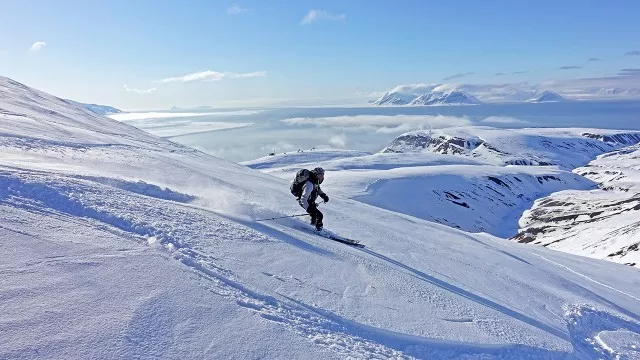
<point>322,194</point>
<point>307,188</point>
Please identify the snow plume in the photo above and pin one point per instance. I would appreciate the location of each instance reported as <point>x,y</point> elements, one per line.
<point>383,123</point>
<point>339,141</point>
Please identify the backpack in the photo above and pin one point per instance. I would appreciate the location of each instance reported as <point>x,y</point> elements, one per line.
<point>301,177</point>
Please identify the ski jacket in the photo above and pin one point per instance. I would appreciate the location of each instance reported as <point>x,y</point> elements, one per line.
<point>310,192</point>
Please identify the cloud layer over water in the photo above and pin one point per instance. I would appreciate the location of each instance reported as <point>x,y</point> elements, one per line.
<point>382,123</point>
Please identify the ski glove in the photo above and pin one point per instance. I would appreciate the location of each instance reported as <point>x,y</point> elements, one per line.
<point>325,197</point>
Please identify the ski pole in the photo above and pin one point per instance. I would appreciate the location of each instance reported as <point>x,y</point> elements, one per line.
<point>282,217</point>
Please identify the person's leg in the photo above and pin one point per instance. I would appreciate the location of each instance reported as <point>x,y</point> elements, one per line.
<point>316,216</point>
<point>319,218</point>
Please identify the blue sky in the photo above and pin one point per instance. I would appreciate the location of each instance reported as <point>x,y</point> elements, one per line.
<point>265,52</point>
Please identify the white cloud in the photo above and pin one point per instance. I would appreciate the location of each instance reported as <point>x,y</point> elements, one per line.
<point>316,15</point>
<point>38,45</point>
<point>139,91</point>
<point>246,75</point>
<point>458,75</point>
<point>236,9</point>
<point>383,123</point>
<point>210,75</point>
<point>502,120</point>
<point>414,89</point>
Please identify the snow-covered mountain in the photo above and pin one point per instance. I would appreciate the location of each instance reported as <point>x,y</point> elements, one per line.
<point>602,223</point>
<point>462,180</point>
<point>507,93</point>
<point>544,96</point>
<point>394,98</point>
<point>120,244</point>
<point>454,97</point>
<point>98,109</point>
<point>446,94</point>
<point>566,148</point>
<point>442,188</point>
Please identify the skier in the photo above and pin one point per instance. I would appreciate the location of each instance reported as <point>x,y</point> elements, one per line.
<point>306,188</point>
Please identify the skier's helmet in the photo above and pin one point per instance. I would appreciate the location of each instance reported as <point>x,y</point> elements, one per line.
<point>319,173</point>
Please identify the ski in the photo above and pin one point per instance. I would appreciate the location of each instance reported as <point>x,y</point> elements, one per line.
<point>327,235</point>
<point>347,241</point>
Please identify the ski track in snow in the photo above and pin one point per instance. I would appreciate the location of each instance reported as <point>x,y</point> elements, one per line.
<point>588,278</point>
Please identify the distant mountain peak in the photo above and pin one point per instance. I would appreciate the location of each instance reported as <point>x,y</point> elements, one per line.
<point>394,98</point>
<point>449,97</point>
<point>445,94</point>
<point>545,96</point>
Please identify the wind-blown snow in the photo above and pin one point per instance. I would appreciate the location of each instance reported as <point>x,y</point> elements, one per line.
<point>121,244</point>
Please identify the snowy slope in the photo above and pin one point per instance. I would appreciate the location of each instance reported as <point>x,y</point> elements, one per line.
<point>98,109</point>
<point>601,223</point>
<point>436,175</point>
<point>120,244</point>
<point>566,148</point>
<point>477,198</point>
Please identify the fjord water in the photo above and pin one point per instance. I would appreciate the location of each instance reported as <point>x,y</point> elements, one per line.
<point>269,133</point>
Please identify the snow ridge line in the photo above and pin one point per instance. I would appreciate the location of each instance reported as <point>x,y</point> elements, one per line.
<point>586,277</point>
